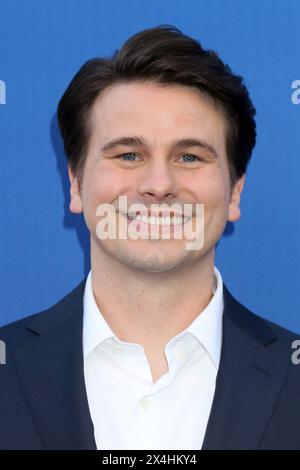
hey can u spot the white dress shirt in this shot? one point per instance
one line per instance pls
(128, 410)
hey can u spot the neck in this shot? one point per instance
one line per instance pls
(150, 308)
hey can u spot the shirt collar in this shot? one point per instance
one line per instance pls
(95, 327)
(206, 327)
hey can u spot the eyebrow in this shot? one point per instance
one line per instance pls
(136, 141)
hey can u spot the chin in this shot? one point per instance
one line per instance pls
(155, 263)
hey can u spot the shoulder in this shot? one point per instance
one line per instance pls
(17, 331)
(257, 326)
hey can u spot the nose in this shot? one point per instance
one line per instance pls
(158, 183)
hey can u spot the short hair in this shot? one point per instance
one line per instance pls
(161, 55)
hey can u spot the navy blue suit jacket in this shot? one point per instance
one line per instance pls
(43, 402)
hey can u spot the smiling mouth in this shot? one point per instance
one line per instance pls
(163, 221)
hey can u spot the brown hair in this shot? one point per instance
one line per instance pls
(163, 55)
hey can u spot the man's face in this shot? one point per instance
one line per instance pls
(158, 171)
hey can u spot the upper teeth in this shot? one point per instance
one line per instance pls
(177, 219)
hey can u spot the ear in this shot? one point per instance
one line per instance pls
(75, 194)
(234, 212)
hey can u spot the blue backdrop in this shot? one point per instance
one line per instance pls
(45, 248)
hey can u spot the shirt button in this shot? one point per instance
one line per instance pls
(145, 403)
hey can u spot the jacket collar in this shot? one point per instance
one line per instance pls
(50, 368)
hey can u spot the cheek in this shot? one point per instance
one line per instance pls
(96, 189)
(214, 194)
(211, 188)
(101, 185)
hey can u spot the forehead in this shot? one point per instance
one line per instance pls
(159, 113)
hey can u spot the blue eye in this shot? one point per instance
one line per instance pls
(191, 158)
(129, 154)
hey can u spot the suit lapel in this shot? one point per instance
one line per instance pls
(50, 369)
(248, 383)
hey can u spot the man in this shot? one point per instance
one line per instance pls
(151, 351)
